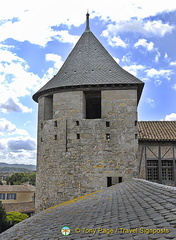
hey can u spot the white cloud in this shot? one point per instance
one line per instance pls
(13, 105)
(29, 21)
(157, 56)
(134, 69)
(65, 37)
(174, 87)
(171, 117)
(151, 102)
(158, 73)
(18, 150)
(166, 56)
(15, 81)
(116, 41)
(8, 128)
(57, 65)
(172, 63)
(149, 28)
(158, 82)
(143, 42)
(127, 58)
(117, 60)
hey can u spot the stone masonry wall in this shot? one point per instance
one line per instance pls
(76, 155)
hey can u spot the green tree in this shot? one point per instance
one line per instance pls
(2, 218)
(18, 178)
(32, 178)
(15, 217)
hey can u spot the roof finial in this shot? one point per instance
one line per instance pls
(87, 21)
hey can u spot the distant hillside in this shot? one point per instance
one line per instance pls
(14, 167)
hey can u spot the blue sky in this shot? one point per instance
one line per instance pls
(37, 36)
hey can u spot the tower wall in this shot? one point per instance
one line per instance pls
(76, 155)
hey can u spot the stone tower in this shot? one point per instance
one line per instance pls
(87, 125)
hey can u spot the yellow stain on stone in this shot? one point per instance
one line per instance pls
(73, 111)
(98, 166)
(101, 161)
(122, 104)
(74, 200)
(62, 184)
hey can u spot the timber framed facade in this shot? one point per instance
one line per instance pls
(157, 152)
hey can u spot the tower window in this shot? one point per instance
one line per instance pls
(107, 124)
(48, 107)
(55, 123)
(107, 136)
(78, 136)
(93, 104)
(55, 137)
(120, 179)
(109, 181)
(77, 123)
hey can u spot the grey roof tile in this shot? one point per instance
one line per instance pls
(133, 210)
(89, 63)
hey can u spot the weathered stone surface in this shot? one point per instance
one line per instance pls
(74, 155)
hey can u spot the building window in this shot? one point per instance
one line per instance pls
(152, 170)
(2, 196)
(78, 136)
(41, 125)
(11, 196)
(77, 123)
(55, 137)
(93, 104)
(167, 170)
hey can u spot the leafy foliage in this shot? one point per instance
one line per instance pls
(15, 217)
(2, 218)
(18, 178)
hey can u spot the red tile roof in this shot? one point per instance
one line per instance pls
(17, 188)
(157, 131)
(24, 207)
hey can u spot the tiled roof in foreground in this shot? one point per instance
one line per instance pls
(135, 205)
(157, 130)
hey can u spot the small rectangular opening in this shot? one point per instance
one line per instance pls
(55, 123)
(107, 124)
(120, 179)
(77, 123)
(107, 136)
(136, 123)
(41, 139)
(41, 125)
(48, 107)
(136, 136)
(55, 137)
(78, 136)
(93, 104)
(109, 181)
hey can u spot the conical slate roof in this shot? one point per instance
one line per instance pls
(89, 64)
